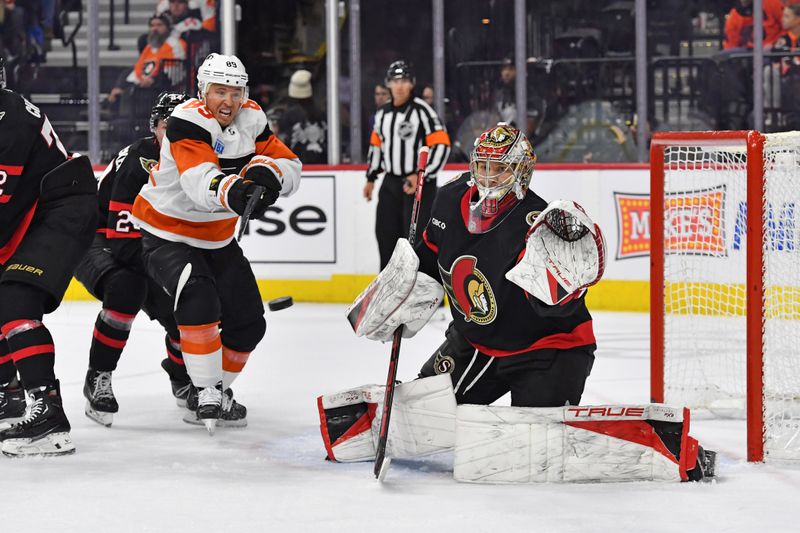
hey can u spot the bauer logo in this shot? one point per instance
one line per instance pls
(633, 225)
(298, 229)
(693, 222)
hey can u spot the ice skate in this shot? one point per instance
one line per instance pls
(179, 380)
(233, 413)
(204, 405)
(45, 429)
(100, 401)
(12, 404)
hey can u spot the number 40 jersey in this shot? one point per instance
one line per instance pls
(29, 149)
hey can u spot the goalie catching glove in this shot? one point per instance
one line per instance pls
(400, 295)
(564, 254)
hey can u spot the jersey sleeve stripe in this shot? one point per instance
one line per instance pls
(274, 148)
(189, 153)
(437, 137)
(265, 134)
(119, 206)
(374, 140)
(179, 129)
(428, 243)
(12, 170)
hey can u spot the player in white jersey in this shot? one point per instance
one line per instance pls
(217, 157)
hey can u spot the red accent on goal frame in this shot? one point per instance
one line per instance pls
(754, 143)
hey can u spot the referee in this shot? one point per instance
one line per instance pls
(402, 126)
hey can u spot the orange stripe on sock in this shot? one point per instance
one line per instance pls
(200, 340)
(233, 361)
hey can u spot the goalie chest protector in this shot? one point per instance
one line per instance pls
(493, 314)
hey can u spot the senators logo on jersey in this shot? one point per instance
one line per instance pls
(469, 290)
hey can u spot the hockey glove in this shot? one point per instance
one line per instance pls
(240, 192)
(263, 170)
(564, 254)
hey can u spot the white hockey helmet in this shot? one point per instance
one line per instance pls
(222, 69)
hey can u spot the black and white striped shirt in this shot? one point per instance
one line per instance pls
(399, 133)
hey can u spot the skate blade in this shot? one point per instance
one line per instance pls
(101, 417)
(51, 445)
(211, 425)
(191, 418)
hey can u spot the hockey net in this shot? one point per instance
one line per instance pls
(725, 301)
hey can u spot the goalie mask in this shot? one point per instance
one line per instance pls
(501, 165)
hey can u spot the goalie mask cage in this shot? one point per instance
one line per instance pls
(725, 280)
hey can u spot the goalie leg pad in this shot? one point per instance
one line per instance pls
(346, 423)
(574, 444)
(423, 420)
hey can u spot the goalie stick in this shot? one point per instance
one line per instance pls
(381, 461)
(248, 210)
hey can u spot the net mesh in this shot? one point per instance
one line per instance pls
(705, 268)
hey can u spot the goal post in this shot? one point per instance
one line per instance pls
(725, 280)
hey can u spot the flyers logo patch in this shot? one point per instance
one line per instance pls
(469, 290)
(147, 164)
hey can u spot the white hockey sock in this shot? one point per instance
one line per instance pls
(202, 353)
(232, 364)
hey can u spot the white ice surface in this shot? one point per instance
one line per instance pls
(152, 472)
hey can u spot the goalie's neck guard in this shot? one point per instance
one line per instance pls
(477, 218)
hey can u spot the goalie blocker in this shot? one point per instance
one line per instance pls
(498, 444)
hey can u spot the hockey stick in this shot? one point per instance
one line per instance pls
(381, 461)
(248, 210)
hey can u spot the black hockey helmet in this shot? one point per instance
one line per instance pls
(2, 73)
(165, 104)
(400, 70)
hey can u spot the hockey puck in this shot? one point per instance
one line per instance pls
(280, 303)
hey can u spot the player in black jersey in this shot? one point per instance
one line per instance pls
(47, 218)
(515, 272)
(112, 271)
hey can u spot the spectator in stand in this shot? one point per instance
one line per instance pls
(185, 16)
(739, 24)
(505, 99)
(13, 37)
(382, 97)
(184, 19)
(789, 41)
(427, 94)
(149, 71)
(302, 126)
(209, 10)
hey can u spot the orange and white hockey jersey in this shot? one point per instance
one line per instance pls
(178, 203)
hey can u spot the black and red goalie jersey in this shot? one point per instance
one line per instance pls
(29, 149)
(495, 315)
(119, 185)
